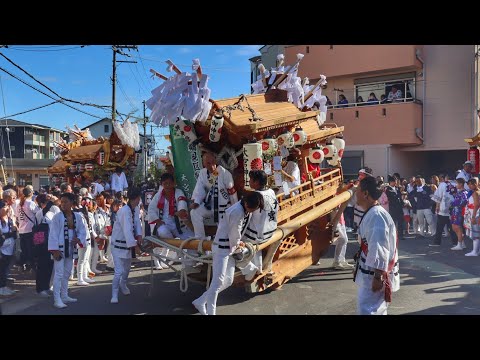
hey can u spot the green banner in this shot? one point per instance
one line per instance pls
(187, 162)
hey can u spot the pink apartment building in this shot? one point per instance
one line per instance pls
(422, 130)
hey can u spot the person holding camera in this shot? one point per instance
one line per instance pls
(227, 240)
(67, 230)
(8, 234)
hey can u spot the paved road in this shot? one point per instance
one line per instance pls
(433, 281)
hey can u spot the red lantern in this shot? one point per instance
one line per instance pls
(473, 155)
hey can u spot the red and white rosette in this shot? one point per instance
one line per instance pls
(269, 146)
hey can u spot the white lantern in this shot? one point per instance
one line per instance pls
(252, 160)
(89, 167)
(316, 155)
(73, 168)
(186, 130)
(286, 139)
(329, 151)
(339, 143)
(216, 128)
(299, 136)
(269, 146)
(81, 168)
(101, 158)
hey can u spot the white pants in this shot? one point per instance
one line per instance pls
(426, 214)
(222, 277)
(341, 244)
(83, 258)
(198, 215)
(415, 223)
(62, 269)
(110, 262)
(371, 303)
(94, 256)
(120, 276)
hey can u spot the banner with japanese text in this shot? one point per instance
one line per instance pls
(187, 162)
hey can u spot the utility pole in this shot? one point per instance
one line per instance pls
(114, 81)
(145, 150)
(118, 49)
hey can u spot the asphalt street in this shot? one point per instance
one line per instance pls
(434, 280)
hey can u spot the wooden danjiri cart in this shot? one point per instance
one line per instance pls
(83, 157)
(308, 215)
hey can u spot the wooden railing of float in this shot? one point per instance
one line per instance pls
(310, 194)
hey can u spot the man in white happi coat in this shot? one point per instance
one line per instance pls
(263, 222)
(119, 181)
(376, 273)
(67, 230)
(126, 235)
(166, 214)
(213, 194)
(227, 239)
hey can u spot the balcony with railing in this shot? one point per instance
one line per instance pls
(33, 155)
(34, 139)
(394, 117)
(348, 60)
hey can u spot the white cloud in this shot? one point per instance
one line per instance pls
(248, 50)
(184, 50)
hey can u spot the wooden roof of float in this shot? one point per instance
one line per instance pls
(272, 107)
(83, 153)
(316, 134)
(58, 167)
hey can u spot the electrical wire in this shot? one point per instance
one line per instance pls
(51, 97)
(45, 86)
(144, 69)
(33, 50)
(27, 111)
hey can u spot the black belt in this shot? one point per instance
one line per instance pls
(120, 247)
(223, 240)
(368, 272)
(223, 247)
(269, 232)
(121, 241)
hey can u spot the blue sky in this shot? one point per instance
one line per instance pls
(83, 74)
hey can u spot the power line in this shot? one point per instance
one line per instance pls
(203, 67)
(125, 95)
(144, 69)
(38, 50)
(27, 111)
(45, 86)
(51, 97)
